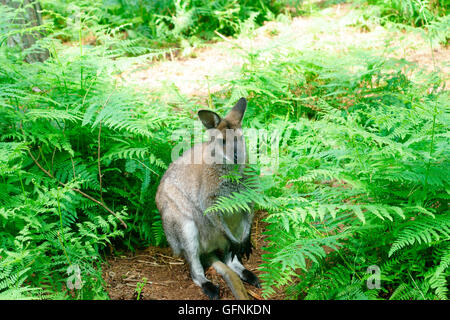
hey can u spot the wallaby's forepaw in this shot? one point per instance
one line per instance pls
(240, 250)
(211, 290)
(251, 278)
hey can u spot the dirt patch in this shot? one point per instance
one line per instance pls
(168, 277)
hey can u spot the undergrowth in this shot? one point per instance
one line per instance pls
(166, 23)
(361, 179)
(79, 159)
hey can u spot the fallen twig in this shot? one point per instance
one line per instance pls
(254, 295)
(151, 262)
(148, 282)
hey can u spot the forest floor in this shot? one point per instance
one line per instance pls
(168, 277)
(333, 29)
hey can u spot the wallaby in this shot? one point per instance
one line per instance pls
(190, 185)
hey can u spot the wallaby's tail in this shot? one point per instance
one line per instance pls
(232, 279)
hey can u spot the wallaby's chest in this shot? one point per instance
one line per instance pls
(216, 183)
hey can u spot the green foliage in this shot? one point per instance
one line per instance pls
(168, 21)
(64, 124)
(363, 174)
(361, 177)
(414, 12)
(140, 286)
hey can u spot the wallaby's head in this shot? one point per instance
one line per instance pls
(226, 144)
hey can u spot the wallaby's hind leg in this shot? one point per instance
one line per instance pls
(244, 274)
(190, 244)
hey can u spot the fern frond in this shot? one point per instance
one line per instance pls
(423, 230)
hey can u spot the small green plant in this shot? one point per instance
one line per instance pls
(139, 287)
(413, 12)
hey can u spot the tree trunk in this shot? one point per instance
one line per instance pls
(28, 15)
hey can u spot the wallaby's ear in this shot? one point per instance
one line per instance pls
(210, 119)
(237, 113)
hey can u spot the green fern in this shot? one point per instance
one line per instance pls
(424, 230)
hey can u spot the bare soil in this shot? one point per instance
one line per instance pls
(168, 277)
